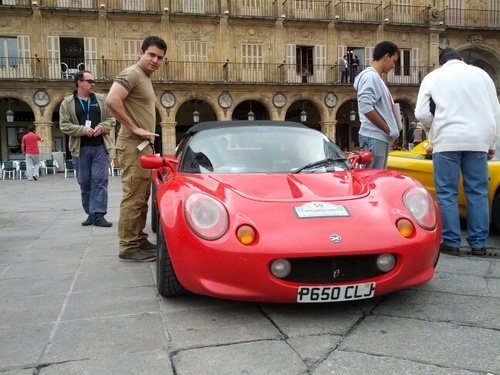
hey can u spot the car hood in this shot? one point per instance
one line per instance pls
(302, 186)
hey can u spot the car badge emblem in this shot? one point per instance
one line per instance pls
(335, 238)
(336, 273)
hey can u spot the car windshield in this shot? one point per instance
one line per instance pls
(261, 149)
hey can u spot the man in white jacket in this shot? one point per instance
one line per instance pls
(464, 130)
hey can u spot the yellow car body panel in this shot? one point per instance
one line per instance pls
(414, 164)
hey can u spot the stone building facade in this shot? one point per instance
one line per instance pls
(226, 58)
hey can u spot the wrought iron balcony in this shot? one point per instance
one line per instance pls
(134, 6)
(15, 4)
(253, 9)
(308, 9)
(354, 12)
(24, 69)
(69, 4)
(398, 14)
(195, 7)
(472, 19)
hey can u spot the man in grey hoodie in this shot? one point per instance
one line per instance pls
(379, 127)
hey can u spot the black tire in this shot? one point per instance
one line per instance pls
(166, 282)
(495, 214)
(154, 209)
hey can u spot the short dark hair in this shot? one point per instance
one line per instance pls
(449, 54)
(154, 41)
(79, 76)
(384, 48)
(31, 128)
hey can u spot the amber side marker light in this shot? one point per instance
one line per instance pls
(405, 227)
(245, 234)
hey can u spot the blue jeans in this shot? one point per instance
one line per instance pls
(379, 150)
(474, 168)
(92, 171)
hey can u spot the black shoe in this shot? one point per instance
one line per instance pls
(479, 252)
(100, 221)
(88, 222)
(35, 178)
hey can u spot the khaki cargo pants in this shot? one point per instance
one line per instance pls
(136, 185)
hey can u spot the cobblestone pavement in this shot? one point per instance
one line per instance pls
(68, 306)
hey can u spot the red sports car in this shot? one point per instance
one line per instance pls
(274, 211)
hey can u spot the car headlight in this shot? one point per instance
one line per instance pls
(205, 216)
(420, 204)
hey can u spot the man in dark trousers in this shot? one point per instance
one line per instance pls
(87, 120)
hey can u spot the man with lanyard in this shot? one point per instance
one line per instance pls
(87, 120)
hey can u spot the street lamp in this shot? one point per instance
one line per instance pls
(9, 115)
(251, 115)
(352, 114)
(196, 114)
(303, 114)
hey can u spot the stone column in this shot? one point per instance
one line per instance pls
(168, 137)
(329, 128)
(44, 130)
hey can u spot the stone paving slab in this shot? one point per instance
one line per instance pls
(68, 306)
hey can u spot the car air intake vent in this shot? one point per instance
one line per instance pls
(333, 269)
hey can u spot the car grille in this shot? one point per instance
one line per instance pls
(333, 269)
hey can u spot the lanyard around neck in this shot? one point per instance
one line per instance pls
(87, 112)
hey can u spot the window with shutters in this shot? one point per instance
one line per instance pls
(252, 62)
(494, 13)
(251, 7)
(402, 11)
(455, 13)
(407, 68)
(9, 55)
(138, 5)
(15, 56)
(131, 50)
(196, 61)
(193, 6)
(74, 3)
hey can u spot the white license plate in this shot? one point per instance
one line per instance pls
(313, 294)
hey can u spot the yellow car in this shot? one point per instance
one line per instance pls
(415, 164)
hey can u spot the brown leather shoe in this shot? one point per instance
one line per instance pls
(450, 250)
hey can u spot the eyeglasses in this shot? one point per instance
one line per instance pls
(91, 81)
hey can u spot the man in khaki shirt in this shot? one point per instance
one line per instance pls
(132, 101)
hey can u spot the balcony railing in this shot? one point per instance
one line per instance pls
(358, 12)
(15, 3)
(406, 14)
(253, 9)
(134, 5)
(472, 18)
(193, 72)
(308, 9)
(195, 7)
(69, 4)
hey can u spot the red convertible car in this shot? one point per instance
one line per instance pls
(273, 211)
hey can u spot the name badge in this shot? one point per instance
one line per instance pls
(88, 124)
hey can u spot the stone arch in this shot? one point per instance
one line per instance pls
(490, 53)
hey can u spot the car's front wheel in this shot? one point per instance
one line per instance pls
(166, 281)
(154, 209)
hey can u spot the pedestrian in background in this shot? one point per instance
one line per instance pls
(132, 101)
(29, 148)
(344, 69)
(409, 135)
(419, 134)
(87, 120)
(464, 130)
(379, 126)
